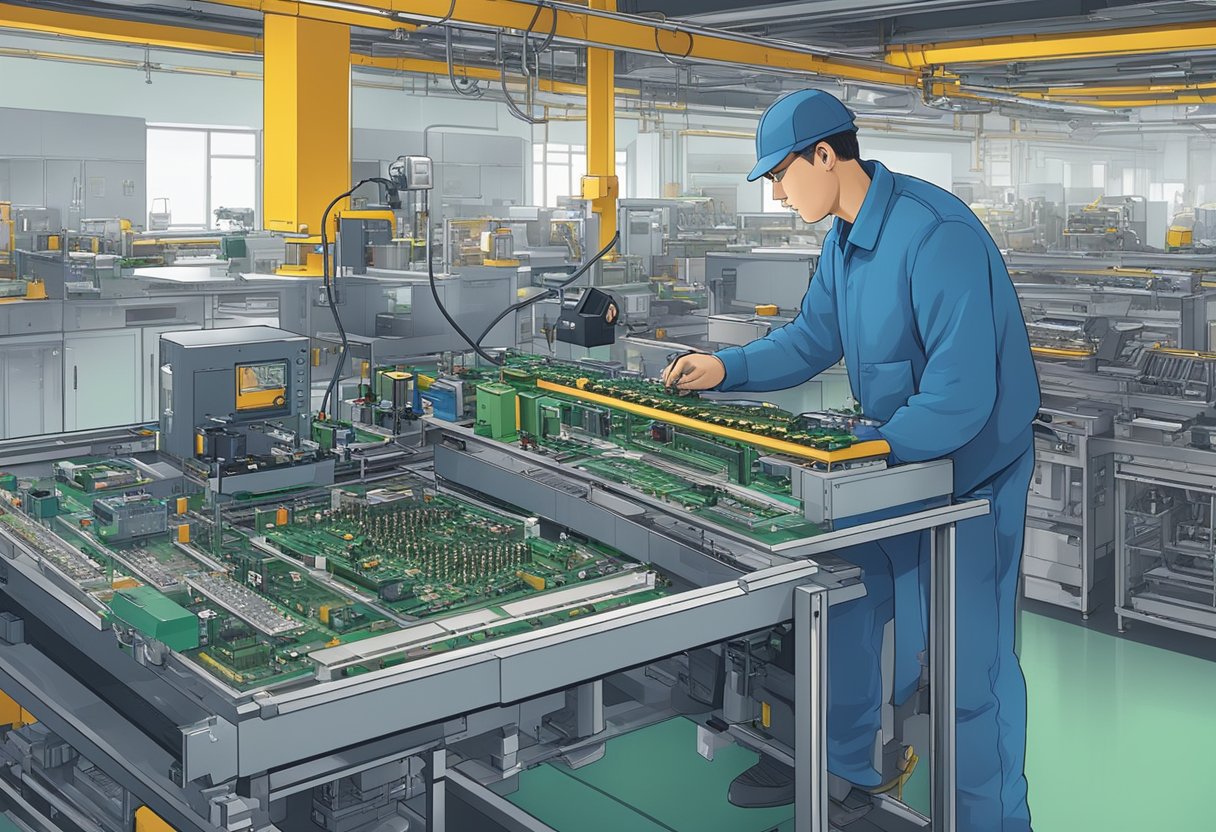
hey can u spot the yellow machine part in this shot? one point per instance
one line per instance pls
(148, 821)
(862, 450)
(13, 714)
(1205, 356)
(1179, 237)
(766, 714)
(1057, 352)
(767, 309)
(183, 533)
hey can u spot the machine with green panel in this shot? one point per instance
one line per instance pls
(157, 616)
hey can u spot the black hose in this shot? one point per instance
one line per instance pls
(548, 293)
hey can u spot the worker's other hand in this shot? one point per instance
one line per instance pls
(867, 433)
(694, 371)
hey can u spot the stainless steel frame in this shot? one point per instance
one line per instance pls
(275, 743)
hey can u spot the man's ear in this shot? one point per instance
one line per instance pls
(825, 155)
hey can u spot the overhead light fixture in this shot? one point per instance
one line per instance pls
(348, 7)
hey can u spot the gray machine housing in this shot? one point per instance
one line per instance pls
(198, 379)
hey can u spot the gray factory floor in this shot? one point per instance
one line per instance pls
(1084, 771)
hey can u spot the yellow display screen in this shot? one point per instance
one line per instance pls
(261, 386)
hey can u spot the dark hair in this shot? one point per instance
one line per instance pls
(844, 144)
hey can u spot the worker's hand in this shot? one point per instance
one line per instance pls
(694, 371)
(867, 433)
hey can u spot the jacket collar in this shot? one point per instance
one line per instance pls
(864, 232)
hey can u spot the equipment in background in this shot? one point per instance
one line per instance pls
(111, 235)
(388, 400)
(588, 320)
(36, 229)
(498, 248)
(1120, 348)
(1192, 229)
(233, 219)
(236, 401)
(390, 235)
(1109, 223)
(160, 216)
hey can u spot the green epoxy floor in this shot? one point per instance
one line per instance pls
(1122, 738)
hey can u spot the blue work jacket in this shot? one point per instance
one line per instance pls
(916, 298)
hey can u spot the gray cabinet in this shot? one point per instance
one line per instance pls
(102, 377)
(31, 386)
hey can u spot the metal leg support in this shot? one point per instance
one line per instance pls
(811, 715)
(943, 677)
(436, 773)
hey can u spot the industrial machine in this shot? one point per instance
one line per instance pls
(233, 219)
(750, 293)
(1120, 346)
(589, 554)
(235, 408)
(1108, 223)
(1028, 224)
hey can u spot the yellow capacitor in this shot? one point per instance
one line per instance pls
(534, 581)
(183, 505)
(280, 516)
(183, 533)
(766, 714)
(323, 614)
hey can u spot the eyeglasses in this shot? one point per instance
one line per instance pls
(777, 175)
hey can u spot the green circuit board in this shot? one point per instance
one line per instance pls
(400, 552)
(820, 433)
(683, 466)
(425, 554)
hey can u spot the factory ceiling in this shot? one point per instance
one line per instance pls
(1165, 55)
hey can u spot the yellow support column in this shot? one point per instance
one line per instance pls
(306, 105)
(600, 184)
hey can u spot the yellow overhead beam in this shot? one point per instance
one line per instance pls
(1056, 45)
(575, 26)
(114, 30)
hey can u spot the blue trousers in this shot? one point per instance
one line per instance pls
(991, 691)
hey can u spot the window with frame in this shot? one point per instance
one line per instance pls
(558, 170)
(200, 170)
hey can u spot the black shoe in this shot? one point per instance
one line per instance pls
(852, 807)
(766, 784)
(770, 783)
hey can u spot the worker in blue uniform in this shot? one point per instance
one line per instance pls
(913, 294)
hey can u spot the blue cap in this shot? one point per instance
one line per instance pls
(794, 122)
